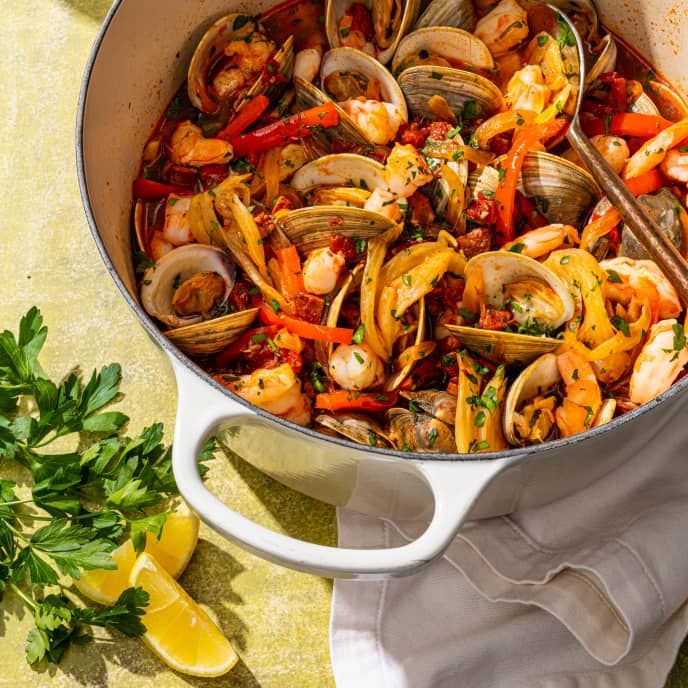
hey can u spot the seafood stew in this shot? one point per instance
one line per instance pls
(363, 217)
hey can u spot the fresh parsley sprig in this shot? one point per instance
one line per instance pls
(82, 502)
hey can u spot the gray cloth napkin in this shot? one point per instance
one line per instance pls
(586, 592)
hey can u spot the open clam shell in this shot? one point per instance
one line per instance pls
(211, 336)
(438, 404)
(448, 191)
(644, 105)
(340, 169)
(456, 86)
(311, 228)
(388, 31)
(356, 427)
(605, 62)
(160, 282)
(561, 190)
(502, 273)
(457, 46)
(232, 27)
(459, 14)
(419, 432)
(504, 347)
(537, 379)
(353, 61)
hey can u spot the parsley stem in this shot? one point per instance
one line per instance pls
(23, 596)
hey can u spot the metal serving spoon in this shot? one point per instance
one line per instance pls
(644, 228)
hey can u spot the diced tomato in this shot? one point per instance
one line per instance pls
(494, 319)
(180, 175)
(413, 133)
(438, 130)
(482, 211)
(308, 307)
(344, 246)
(361, 20)
(422, 213)
(476, 241)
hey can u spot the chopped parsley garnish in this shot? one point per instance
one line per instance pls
(275, 305)
(480, 419)
(621, 325)
(407, 280)
(359, 358)
(543, 39)
(613, 276)
(359, 334)
(517, 248)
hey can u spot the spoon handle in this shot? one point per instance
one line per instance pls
(644, 228)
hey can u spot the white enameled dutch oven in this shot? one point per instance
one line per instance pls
(138, 61)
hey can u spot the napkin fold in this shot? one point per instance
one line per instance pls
(586, 592)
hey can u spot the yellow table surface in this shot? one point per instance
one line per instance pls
(276, 618)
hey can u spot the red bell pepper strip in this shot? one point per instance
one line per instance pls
(237, 348)
(297, 126)
(248, 114)
(505, 195)
(321, 333)
(149, 190)
(617, 94)
(355, 401)
(626, 124)
(645, 183)
(290, 268)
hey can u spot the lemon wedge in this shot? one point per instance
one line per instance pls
(172, 551)
(178, 631)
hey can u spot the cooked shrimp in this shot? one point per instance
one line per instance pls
(300, 413)
(583, 395)
(246, 61)
(321, 271)
(379, 121)
(614, 150)
(406, 170)
(636, 274)
(356, 367)
(660, 362)
(504, 27)
(675, 166)
(158, 246)
(527, 90)
(176, 229)
(276, 390)
(307, 63)
(654, 151)
(188, 146)
(543, 240)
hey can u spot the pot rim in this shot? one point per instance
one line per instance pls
(173, 352)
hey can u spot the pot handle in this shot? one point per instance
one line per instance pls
(455, 487)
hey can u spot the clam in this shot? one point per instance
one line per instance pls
(528, 418)
(606, 61)
(345, 74)
(212, 78)
(459, 14)
(356, 427)
(561, 190)
(419, 432)
(211, 336)
(667, 212)
(535, 295)
(438, 404)
(185, 288)
(429, 61)
(311, 228)
(391, 20)
(342, 169)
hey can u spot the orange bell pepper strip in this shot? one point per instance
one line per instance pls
(307, 330)
(290, 268)
(291, 128)
(645, 183)
(248, 114)
(355, 401)
(505, 196)
(626, 124)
